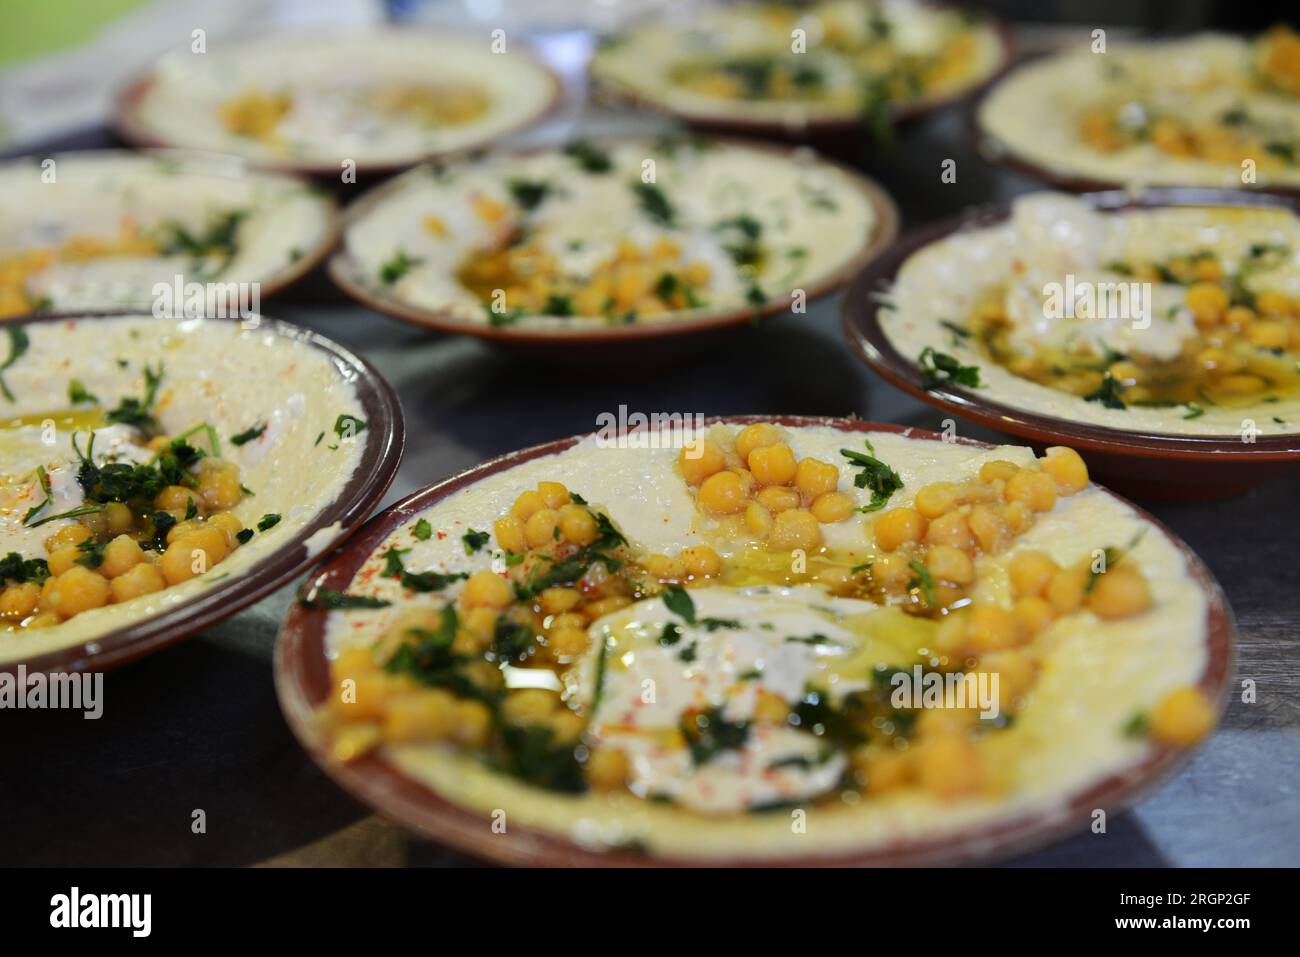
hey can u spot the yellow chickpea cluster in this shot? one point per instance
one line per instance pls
(757, 488)
(1104, 130)
(640, 282)
(1279, 59)
(255, 114)
(16, 269)
(543, 526)
(126, 570)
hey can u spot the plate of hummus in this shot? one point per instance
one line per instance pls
(756, 641)
(117, 229)
(791, 68)
(158, 475)
(611, 240)
(369, 102)
(1206, 110)
(1144, 330)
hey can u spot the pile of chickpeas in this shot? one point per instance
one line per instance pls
(630, 283)
(544, 526)
(128, 571)
(756, 488)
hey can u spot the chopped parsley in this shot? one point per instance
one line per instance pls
(79, 394)
(528, 193)
(939, 368)
(348, 426)
(137, 412)
(15, 568)
(327, 599)
(423, 530)
(588, 157)
(881, 480)
(397, 267)
(1108, 393)
(248, 435)
(708, 734)
(654, 203)
(267, 521)
(474, 541)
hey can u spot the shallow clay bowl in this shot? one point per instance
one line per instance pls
(384, 437)
(647, 343)
(1157, 465)
(302, 683)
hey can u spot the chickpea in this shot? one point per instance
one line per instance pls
(754, 437)
(527, 503)
(885, 769)
(178, 563)
(773, 464)
(793, 529)
(181, 529)
(936, 499)
(1207, 302)
(472, 724)
(229, 523)
(1066, 589)
(1018, 517)
(604, 606)
(1182, 717)
(44, 619)
(1031, 571)
(177, 498)
(211, 541)
(992, 628)
(1035, 489)
(1272, 304)
(987, 526)
(142, 579)
(998, 469)
(120, 556)
(20, 600)
(541, 526)
(951, 529)
(700, 561)
(369, 699)
(948, 766)
(607, 769)
(427, 714)
(79, 589)
(529, 705)
(831, 507)
(757, 519)
(509, 532)
(568, 643)
(770, 708)
(891, 571)
(73, 534)
(1034, 612)
(1269, 334)
(569, 619)
(699, 460)
(63, 558)
(664, 568)
(898, 526)
(117, 518)
(554, 601)
(1015, 671)
(220, 488)
(778, 498)
(577, 525)
(1119, 592)
(1066, 468)
(722, 494)
(554, 494)
(814, 478)
(950, 564)
(485, 589)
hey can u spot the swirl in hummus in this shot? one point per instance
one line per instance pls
(1201, 111)
(652, 647)
(143, 460)
(377, 98)
(101, 230)
(794, 64)
(617, 233)
(1181, 320)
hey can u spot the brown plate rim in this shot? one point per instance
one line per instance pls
(997, 152)
(385, 440)
(883, 234)
(617, 93)
(127, 124)
(274, 283)
(861, 327)
(302, 681)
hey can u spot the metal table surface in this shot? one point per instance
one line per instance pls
(197, 726)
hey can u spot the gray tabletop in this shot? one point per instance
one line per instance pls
(197, 727)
